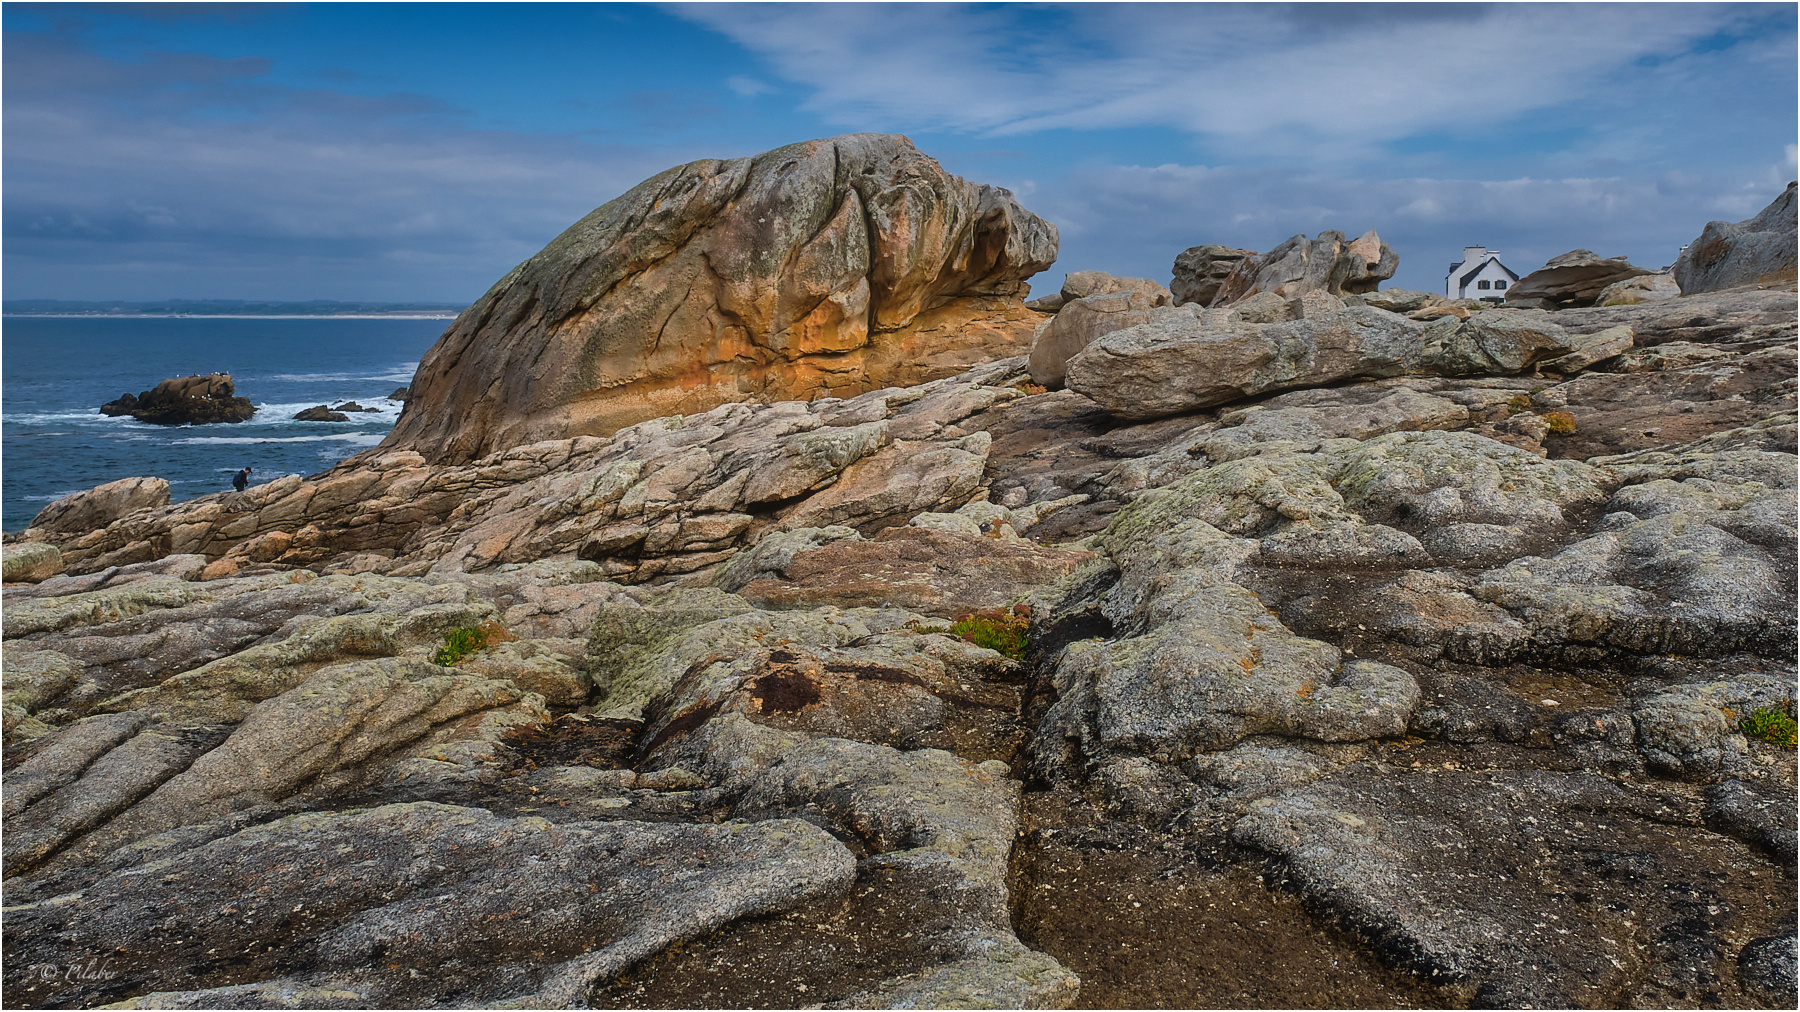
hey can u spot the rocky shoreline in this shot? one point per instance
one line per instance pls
(1356, 648)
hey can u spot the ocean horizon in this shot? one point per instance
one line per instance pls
(58, 369)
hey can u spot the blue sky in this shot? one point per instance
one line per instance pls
(406, 152)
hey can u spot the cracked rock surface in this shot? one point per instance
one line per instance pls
(1412, 667)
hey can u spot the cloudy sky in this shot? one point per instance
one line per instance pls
(399, 152)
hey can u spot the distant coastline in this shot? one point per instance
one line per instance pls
(228, 316)
(230, 309)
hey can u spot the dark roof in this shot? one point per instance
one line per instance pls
(1473, 270)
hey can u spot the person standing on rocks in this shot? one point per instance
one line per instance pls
(241, 480)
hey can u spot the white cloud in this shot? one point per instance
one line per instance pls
(1267, 79)
(749, 87)
(316, 193)
(1133, 220)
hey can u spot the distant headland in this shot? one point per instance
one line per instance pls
(229, 308)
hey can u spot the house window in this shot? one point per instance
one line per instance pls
(1483, 285)
(1499, 284)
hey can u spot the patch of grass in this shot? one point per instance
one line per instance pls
(1561, 423)
(1030, 389)
(1518, 404)
(1005, 632)
(1770, 724)
(465, 640)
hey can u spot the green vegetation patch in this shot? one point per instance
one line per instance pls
(1007, 633)
(1561, 423)
(1770, 724)
(465, 640)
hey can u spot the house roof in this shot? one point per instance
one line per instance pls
(1464, 277)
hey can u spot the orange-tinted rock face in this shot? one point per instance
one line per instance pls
(829, 267)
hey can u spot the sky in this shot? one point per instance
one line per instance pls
(416, 152)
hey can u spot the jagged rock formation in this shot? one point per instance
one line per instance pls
(1200, 271)
(829, 267)
(1575, 279)
(185, 400)
(1329, 264)
(1759, 251)
(1421, 678)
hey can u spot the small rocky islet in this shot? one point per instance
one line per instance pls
(1358, 647)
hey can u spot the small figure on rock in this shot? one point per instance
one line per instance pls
(241, 480)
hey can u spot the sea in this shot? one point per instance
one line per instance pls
(55, 372)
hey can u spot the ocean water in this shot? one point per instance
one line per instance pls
(55, 372)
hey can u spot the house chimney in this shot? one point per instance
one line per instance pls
(1474, 253)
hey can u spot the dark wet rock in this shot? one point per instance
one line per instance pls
(1525, 902)
(375, 904)
(1767, 969)
(185, 400)
(320, 413)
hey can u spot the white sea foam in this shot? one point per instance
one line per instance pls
(399, 373)
(51, 417)
(386, 412)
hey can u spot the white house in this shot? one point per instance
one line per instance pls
(1479, 275)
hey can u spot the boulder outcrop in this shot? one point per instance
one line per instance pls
(1329, 263)
(826, 268)
(1200, 271)
(1572, 280)
(320, 413)
(1077, 324)
(185, 400)
(1639, 290)
(1184, 358)
(1082, 284)
(1758, 251)
(97, 507)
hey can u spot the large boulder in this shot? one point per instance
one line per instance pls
(1572, 280)
(1085, 284)
(31, 562)
(97, 507)
(1330, 264)
(1201, 270)
(829, 267)
(1639, 290)
(185, 400)
(1078, 323)
(1184, 359)
(1758, 251)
